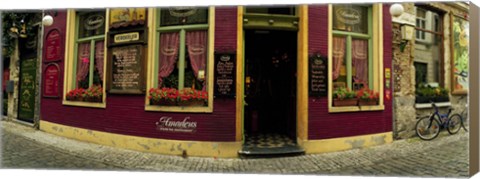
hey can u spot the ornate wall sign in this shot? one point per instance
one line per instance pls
(168, 124)
(53, 46)
(123, 17)
(182, 11)
(93, 22)
(50, 80)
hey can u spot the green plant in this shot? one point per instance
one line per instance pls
(343, 93)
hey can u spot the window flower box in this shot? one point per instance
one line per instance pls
(345, 102)
(367, 97)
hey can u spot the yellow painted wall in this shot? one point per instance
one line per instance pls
(143, 144)
(346, 143)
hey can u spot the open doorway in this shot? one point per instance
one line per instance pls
(270, 88)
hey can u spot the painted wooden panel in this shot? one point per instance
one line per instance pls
(125, 114)
(324, 125)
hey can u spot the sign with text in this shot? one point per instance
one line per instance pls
(127, 69)
(169, 124)
(126, 37)
(53, 46)
(225, 75)
(28, 76)
(318, 76)
(50, 80)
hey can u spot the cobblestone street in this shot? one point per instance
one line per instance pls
(447, 156)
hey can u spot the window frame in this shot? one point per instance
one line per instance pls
(71, 45)
(152, 70)
(375, 58)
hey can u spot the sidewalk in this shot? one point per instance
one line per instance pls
(445, 156)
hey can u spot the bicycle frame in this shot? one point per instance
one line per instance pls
(442, 117)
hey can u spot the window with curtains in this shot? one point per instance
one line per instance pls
(356, 80)
(181, 62)
(352, 43)
(86, 64)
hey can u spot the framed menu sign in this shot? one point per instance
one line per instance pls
(317, 75)
(224, 75)
(50, 80)
(53, 46)
(126, 75)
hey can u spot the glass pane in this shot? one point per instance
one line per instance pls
(350, 18)
(359, 63)
(429, 54)
(183, 16)
(272, 10)
(420, 73)
(98, 69)
(83, 65)
(195, 60)
(168, 57)
(339, 70)
(91, 23)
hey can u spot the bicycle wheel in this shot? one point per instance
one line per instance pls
(427, 128)
(454, 123)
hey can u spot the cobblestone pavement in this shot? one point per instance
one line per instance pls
(447, 156)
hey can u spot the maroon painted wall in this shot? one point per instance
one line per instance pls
(325, 125)
(125, 114)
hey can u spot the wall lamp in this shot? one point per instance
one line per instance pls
(48, 19)
(407, 31)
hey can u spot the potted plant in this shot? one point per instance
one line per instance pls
(422, 95)
(367, 97)
(344, 97)
(93, 94)
(163, 96)
(75, 94)
(192, 97)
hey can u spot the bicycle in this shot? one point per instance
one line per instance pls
(428, 127)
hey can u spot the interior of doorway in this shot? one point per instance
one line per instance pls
(270, 84)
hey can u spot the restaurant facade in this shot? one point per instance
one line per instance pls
(220, 81)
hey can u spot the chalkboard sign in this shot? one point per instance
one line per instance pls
(318, 75)
(127, 70)
(225, 75)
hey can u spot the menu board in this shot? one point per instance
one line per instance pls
(317, 76)
(50, 80)
(127, 68)
(28, 76)
(52, 46)
(225, 75)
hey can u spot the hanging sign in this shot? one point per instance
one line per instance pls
(51, 80)
(317, 76)
(53, 46)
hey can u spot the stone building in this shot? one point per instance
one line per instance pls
(431, 58)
